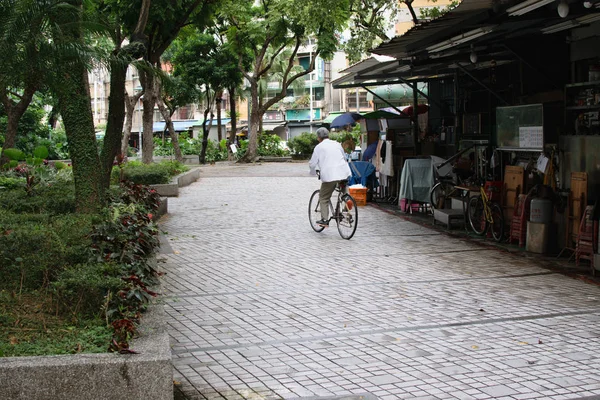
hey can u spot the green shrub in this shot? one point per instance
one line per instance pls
(303, 145)
(148, 174)
(270, 145)
(35, 248)
(216, 151)
(8, 182)
(56, 197)
(83, 289)
(187, 146)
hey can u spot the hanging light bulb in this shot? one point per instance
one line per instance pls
(588, 4)
(473, 55)
(563, 9)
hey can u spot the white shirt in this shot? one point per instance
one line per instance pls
(329, 158)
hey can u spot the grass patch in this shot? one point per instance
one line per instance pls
(29, 326)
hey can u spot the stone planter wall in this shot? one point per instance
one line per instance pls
(172, 189)
(146, 375)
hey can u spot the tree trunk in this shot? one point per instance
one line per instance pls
(169, 122)
(147, 145)
(260, 121)
(73, 93)
(114, 126)
(205, 132)
(76, 110)
(130, 102)
(53, 117)
(11, 132)
(218, 101)
(233, 114)
(255, 116)
(14, 112)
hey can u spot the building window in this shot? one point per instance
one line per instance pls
(319, 93)
(362, 100)
(304, 62)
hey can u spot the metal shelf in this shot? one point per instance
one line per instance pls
(583, 84)
(593, 107)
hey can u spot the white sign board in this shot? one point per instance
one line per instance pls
(531, 137)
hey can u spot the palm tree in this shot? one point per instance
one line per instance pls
(26, 51)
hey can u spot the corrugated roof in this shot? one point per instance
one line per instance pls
(466, 14)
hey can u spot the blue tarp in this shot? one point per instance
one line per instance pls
(363, 173)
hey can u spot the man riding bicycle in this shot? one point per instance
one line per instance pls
(328, 159)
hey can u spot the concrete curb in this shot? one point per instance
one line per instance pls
(146, 375)
(181, 180)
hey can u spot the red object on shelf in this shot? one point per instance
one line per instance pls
(587, 238)
(518, 223)
(493, 189)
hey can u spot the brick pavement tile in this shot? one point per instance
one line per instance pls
(286, 308)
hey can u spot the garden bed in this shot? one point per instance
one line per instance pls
(147, 374)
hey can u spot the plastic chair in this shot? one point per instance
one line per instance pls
(587, 239)
(518, 223)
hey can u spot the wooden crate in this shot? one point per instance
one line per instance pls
(359, 195)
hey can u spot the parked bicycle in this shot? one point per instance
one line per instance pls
(485, 214)
(345, 212)
(447, 178)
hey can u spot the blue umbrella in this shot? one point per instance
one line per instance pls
(344, 119)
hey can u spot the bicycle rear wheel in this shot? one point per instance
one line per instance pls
(439, 193)
(497, 222)
(346, 216)
(476, 215)
(314, 211)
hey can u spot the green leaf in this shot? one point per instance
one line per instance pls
(41, 152)
(14, 154)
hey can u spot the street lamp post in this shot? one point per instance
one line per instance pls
(310, 81)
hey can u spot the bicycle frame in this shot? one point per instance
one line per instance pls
(486, 204)
(344, 211)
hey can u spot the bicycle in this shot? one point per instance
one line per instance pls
(483, 214)
(345, 213)
(446, 182)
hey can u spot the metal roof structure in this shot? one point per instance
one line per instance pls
(441, 47)
(467, 14)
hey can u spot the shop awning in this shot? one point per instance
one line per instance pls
(394, 93)
(183, 126)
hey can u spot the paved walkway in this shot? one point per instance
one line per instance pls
(262, 307)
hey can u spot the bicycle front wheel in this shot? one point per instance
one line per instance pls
(346, 216)
(314, 211)
(476, 215)
(439, 193)
(497, 222)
